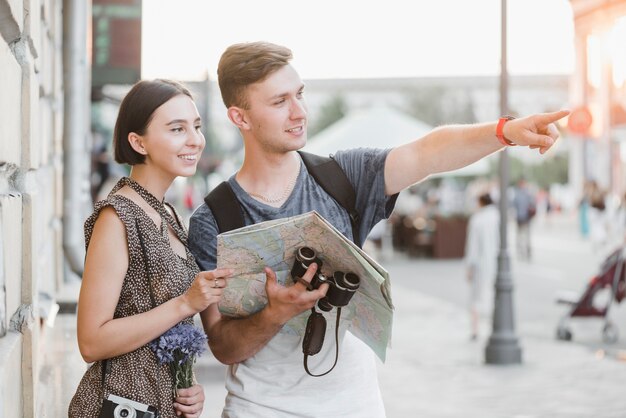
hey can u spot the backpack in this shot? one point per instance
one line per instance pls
(325, 171)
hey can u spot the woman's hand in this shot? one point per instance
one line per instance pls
(190, 402)
(206, 289)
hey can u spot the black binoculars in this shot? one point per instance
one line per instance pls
(341, 285)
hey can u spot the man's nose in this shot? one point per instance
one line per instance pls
(298, 109)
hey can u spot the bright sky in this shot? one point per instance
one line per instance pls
(184, 39)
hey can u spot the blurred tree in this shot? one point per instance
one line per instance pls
(550, 171)
(330, 112)
(438, 105)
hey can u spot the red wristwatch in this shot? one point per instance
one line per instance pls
(499, 131)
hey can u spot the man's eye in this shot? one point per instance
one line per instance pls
(278, 102)
(300, 94)
(199, 127)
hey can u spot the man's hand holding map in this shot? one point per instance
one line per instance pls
(250, 249)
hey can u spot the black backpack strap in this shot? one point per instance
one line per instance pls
(326, 172)
(225, 207)
(331, 177)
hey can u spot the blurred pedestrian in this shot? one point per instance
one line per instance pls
(525, 209)
(100, 170)
(598, 219)
(620, 220)
(140, 278)
(583, 207)
(481, 256)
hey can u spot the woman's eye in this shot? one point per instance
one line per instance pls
(177, 129)
(279, 102)
(199, 127)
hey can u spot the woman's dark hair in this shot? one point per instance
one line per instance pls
(136, 113)
(485, 199)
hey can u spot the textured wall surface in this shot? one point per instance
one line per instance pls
(30, 191)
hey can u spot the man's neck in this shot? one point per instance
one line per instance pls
(268, 174)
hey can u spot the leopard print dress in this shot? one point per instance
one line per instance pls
(151, 280)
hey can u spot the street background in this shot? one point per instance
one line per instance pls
(433, 368)
(67, 64)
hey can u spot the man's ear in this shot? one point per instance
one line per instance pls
(136, 142)
(238, 117)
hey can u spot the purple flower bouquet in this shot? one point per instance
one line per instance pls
(179, 347)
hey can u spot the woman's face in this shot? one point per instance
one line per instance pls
(173, 140)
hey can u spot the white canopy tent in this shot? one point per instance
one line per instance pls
(378, 127)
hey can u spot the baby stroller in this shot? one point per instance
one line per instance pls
(612, 276)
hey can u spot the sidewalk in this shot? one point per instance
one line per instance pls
(434, 370)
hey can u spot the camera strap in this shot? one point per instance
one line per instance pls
(314, 339)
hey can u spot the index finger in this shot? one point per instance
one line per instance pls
(551, 117)
(188, 393)
(222, 273)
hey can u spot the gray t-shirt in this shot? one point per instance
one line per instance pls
(273, 383)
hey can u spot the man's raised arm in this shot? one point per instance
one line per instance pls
(455, 146)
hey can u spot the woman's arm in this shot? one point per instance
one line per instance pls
(99, 335)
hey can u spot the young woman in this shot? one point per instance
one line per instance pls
(140, 278)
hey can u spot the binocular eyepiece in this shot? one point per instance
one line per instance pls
(341, 285)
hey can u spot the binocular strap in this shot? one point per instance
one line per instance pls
(306, 355)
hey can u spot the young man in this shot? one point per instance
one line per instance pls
(264, 97)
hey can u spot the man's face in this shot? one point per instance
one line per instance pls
(277, 113)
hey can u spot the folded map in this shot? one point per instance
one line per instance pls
(250, 249)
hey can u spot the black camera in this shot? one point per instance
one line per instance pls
(118, 407)
(342, 286)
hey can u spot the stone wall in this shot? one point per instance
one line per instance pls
(31, 118)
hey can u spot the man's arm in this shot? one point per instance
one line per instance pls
(235, 340)
(452, 147)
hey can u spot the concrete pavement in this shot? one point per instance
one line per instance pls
(434, 370)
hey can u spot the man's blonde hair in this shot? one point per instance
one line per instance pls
(248, 63)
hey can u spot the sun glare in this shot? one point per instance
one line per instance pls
(184, 39)
(617, 51)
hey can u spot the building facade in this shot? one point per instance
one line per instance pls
(31, 196)
(599, 88)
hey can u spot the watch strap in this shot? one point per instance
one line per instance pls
(500, 131)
